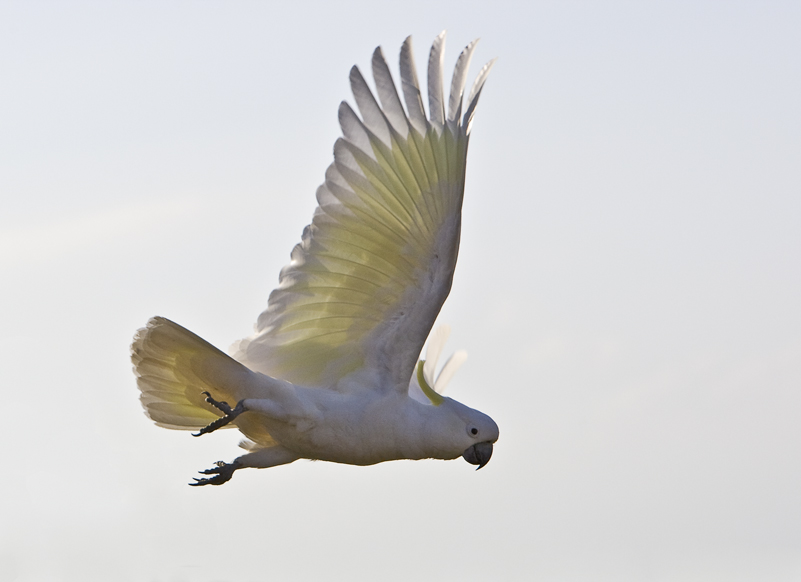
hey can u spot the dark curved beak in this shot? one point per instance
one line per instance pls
(479, 454)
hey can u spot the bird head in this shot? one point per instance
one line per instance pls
(466, 430)
(462, 428)
(479, 430)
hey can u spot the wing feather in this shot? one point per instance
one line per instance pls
(368, 107)
(475, 93)
(411, 89)
(352, 128)
(388, 95)
(374, 267)
(436, 60)
(458, 82)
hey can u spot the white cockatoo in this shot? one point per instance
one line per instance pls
(331, 372)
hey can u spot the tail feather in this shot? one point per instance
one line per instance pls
(174, 367)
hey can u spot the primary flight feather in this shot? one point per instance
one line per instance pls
(331, 371)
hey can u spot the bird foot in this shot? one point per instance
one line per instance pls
(222, 472)
(230, 414)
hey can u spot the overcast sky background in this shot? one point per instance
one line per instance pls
(629, 289)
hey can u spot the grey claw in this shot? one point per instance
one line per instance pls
(222, 473)
(229, 415)
(218, 404)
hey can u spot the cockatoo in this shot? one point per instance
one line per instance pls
(331, 372)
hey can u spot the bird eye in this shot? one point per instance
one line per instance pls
(473, 431)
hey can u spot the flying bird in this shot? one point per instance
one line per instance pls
(332, 370)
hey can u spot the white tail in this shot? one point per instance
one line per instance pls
(174, 367)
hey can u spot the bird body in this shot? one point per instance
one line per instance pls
(332, 372)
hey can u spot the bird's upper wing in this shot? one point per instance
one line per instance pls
(374, 267)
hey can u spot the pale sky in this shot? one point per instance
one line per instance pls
(628, 289)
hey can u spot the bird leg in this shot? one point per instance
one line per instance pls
(222, 472)
(260, 459)
(230, 414)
